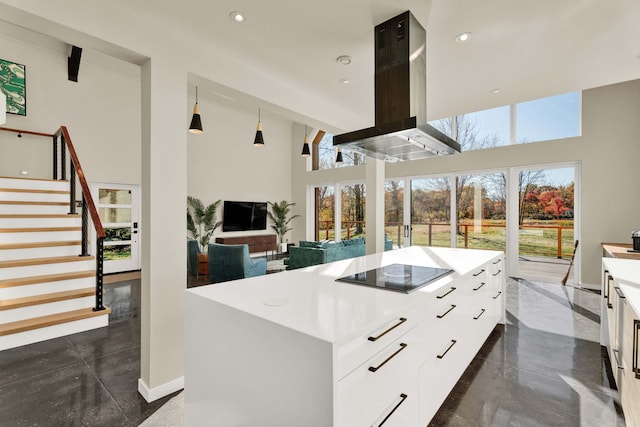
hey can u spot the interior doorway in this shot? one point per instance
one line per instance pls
(118, 206)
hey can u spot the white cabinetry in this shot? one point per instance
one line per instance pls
(621, 300)
(338, 354)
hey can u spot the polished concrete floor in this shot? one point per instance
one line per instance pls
(544, 368)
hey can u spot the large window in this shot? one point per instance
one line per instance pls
(327, 154)
(394, 212)
(431, 212)
(353, 211)
(325, 213)
(544, 119)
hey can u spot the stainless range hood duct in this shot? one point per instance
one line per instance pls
(401, 131)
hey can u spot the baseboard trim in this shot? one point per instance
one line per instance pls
(152, 394)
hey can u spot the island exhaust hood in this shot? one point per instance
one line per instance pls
(401, 131)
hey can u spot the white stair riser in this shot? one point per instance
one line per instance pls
(34, 184)
(29, 253)
(50, 332)
(23, 313)
(34, 209)
(39, 236)
(33, 197)
(46, 288)
(43, 269)
(70, 221)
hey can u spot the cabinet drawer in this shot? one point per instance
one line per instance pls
(383, 387)
(440, 373)
(349, 356)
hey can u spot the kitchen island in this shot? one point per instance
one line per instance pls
(299, 348)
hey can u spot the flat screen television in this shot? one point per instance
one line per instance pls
(244, 216)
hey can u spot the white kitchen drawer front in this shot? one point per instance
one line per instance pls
(440, 373)
(351, 355)
(373, 392)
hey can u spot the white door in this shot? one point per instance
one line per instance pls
(118, 206)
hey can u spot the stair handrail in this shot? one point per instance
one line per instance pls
(88, 205)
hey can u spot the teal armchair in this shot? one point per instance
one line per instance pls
(193, 250)
(231, 262)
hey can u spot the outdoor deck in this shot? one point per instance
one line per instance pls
(549, 270)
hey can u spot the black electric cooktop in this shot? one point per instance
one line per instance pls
(397, 277)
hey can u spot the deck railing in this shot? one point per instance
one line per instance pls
(466, 234)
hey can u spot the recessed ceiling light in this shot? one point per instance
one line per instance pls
(463, 37)
(343, 60)
(345, 81)
(236, 16)
(496, 90)
(24, 172)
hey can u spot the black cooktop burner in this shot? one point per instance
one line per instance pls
(397, 277)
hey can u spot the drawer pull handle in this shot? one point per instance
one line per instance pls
(478, 288)
(446, 293)
(619, 292)
(375, 368)
(497, 262)
(636, 332)
(453, 342)
(609, 279)
(479, 273)
(481, 313)
(400, 322)
(497, 272)
(498, 295)
(440, 316)
(403, 397)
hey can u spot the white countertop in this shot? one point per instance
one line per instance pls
(627, 273)
(310, 301)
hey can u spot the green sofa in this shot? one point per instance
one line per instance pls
(309, 253)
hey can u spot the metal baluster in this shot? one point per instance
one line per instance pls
(85, 227)
(99, 273)
(72, 190)
(55, 156)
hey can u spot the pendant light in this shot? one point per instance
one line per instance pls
(339, 160)
(3, 108)
(306, 152)
(259, 140)
(196, 122)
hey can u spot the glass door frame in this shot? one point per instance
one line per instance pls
(513, 229)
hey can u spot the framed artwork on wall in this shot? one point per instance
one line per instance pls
(13, 84)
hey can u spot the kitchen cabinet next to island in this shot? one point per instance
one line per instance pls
(299, 348)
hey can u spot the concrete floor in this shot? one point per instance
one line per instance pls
(544, 368)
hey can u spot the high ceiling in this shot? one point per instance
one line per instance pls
(526, 49)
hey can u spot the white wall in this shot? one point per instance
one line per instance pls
(608, 150)
(101, 111)
(223, 164)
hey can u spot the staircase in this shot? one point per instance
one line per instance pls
(47, 289)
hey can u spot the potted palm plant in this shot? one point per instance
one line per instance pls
(202, 220)
(279, 214)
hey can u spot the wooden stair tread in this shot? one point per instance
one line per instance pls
(25, 202)
(38, 229)
(46, 298)
(47, 260)
(32, 190)
(45, 216)
(30, 245)
(51, 320)
(20, 281)
(34, 179)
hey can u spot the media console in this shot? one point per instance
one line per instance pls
(257, 243)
